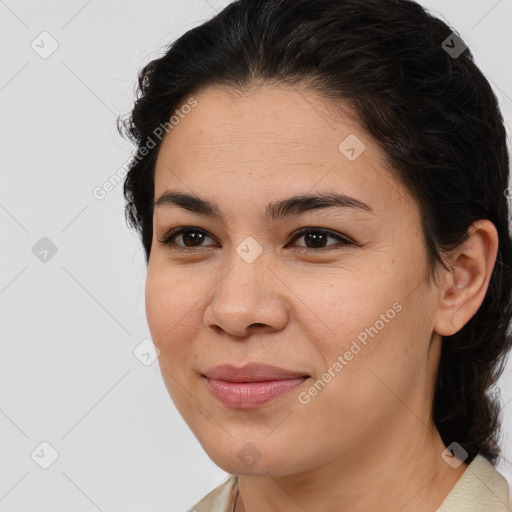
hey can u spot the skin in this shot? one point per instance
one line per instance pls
(366, 441)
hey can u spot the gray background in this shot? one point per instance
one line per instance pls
(70, 324)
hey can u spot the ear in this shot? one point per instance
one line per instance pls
(465, 284)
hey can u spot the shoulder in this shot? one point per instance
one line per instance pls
(481, 488)
(221, 499)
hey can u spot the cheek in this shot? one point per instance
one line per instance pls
(172, 312)
(173, 320)
(381, 352)
(369, 336)
(349, 309)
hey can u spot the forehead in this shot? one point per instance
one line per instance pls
(271, 140)
(279, 118)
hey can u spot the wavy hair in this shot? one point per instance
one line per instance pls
(431, 111)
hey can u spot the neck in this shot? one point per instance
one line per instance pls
(407, 474)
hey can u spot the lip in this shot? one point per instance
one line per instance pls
(251, 372)
(251, 385)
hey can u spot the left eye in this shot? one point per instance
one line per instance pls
(196, 236)
(318, 236)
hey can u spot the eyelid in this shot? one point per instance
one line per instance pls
(164, 239)
(342, 239)
(334, 234)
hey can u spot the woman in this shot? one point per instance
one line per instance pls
(325, 221)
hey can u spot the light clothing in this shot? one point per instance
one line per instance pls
(481, 488)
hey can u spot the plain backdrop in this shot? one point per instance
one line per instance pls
(72, 330)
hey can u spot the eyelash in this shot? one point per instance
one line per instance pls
(167, 237)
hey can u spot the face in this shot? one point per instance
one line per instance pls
(344, 304)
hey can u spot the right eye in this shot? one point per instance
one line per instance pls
(193, 234)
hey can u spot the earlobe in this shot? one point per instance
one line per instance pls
(466, 283)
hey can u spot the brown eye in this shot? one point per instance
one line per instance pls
(315, 239)
(190, 236)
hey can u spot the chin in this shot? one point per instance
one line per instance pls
(242, 457)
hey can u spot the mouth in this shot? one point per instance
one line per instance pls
(252, 385)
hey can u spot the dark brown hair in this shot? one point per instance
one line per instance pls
(432, 112)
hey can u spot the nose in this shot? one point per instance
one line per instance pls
(249, 297)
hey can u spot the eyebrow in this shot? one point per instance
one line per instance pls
(277, 210)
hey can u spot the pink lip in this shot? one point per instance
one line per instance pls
(252, 385)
